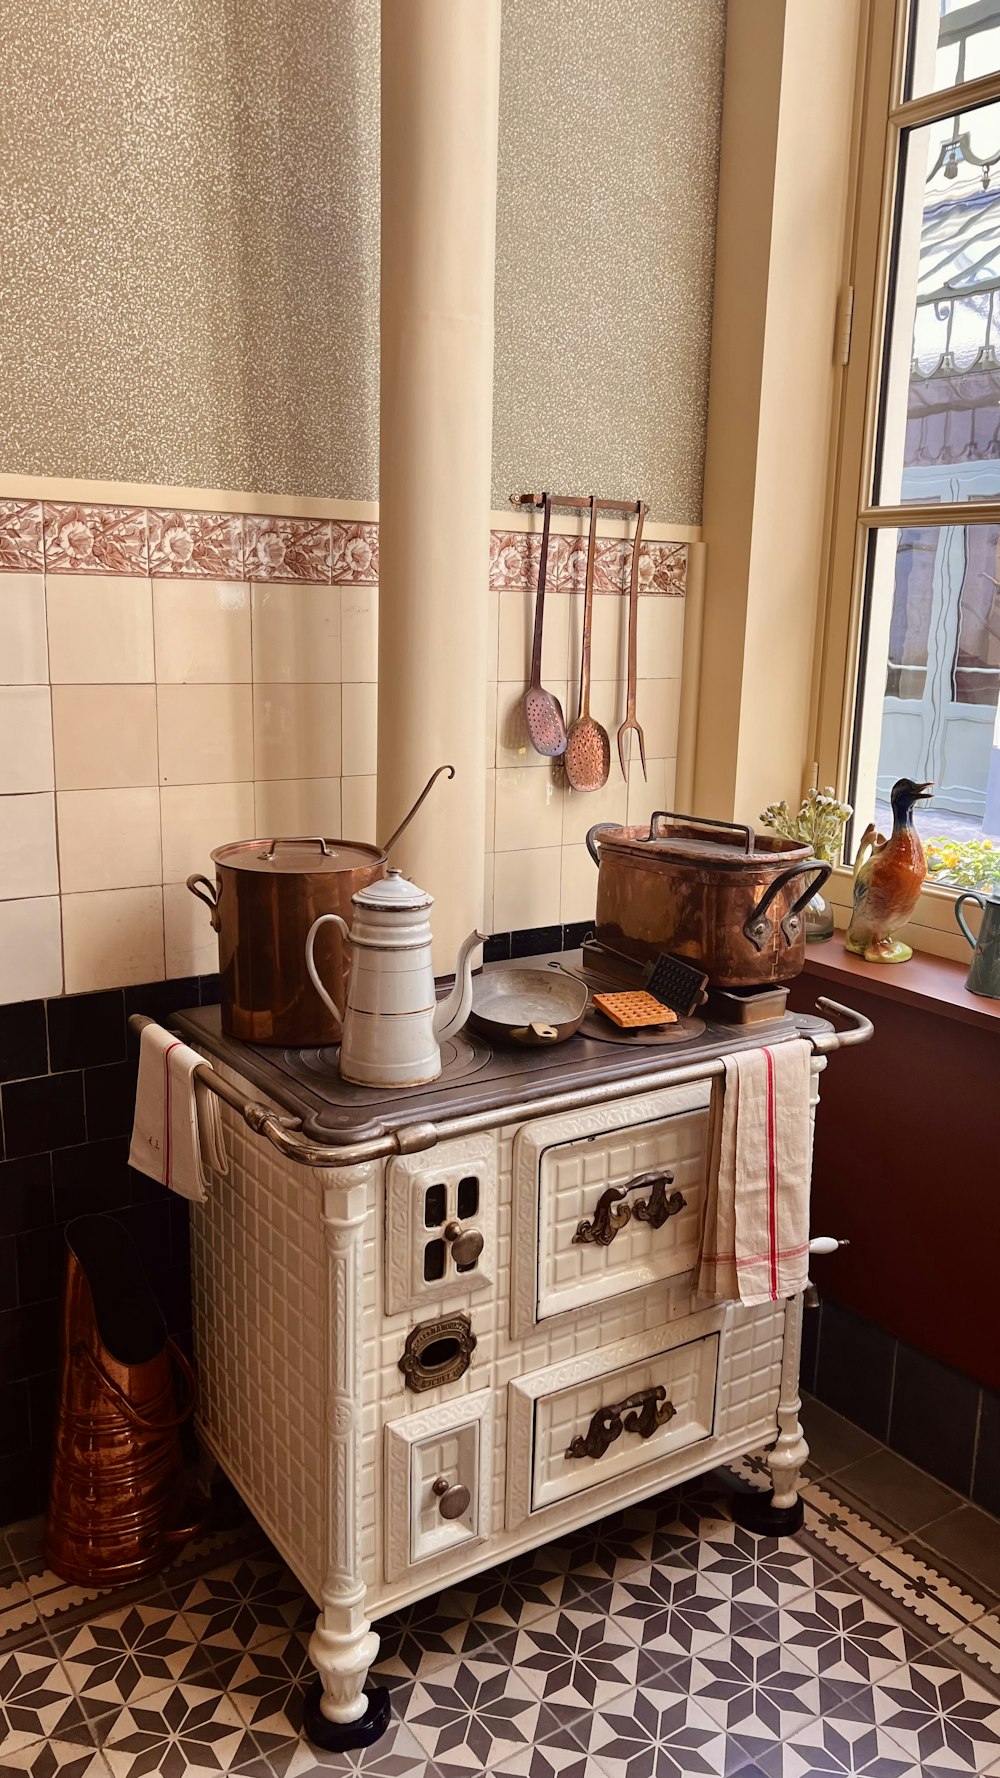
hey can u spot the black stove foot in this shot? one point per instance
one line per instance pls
(755, 1513)
(343, 1737)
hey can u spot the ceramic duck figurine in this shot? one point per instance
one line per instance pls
(888, 877)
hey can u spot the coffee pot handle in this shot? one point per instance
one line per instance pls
(314, 976)
(967, 895)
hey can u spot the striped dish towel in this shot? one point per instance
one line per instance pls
(177, 1130)
(755, 1244)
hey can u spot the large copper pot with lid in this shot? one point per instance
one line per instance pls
(716, 892)
(266, 895)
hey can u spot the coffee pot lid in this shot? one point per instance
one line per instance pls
(393, 892)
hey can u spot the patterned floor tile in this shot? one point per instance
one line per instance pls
(560, 1748)
(243, 1603)
(35, 1695)
(183, 1732)
(19, 1620)
(55, 1759)
(396, 1755)
(829, 1749)
(671, 1610)
(940, 1717)
(576, 1658)
(673, 1521)
(978, 1645)
(474, 1714)
(656, 1732)
(840, 1634)
(268, 1686)
(929, 1598)
(127, 1654)
(751, 1689)
(602, 1551)
(846, 1536)
(754, 1570)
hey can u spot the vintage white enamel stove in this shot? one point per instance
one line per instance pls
(424, 1342)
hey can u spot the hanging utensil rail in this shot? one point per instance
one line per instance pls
(582, 501)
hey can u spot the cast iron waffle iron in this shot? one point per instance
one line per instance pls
(476, 1076)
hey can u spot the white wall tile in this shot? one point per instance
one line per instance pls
(296, 634)
(660, 645)
(582, 809)
(359, 634)
(359, 729)
(28, 846)
(201, 631)
(205, 734)
(658, 708)
(526, 888)
(105, 736)
(195, 819)
(528, 810)
(100, 629)
(578, 893)
(23, 646)
(108, 839)
(112, 937)
(25, 738)
(491, 808)
(657, 793)
(30, 949)
(296, 731)
(513, 746)
(299, 806)
(489, 865)
(358, 811)
(516, 629)
(190, 945)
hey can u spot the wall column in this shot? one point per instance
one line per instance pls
(440, 99)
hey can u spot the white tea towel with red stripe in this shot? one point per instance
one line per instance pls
(177, 1129)
(755, 1245)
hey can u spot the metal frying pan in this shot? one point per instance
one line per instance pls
(529, 1006)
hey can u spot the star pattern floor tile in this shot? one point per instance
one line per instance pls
(664, 1642)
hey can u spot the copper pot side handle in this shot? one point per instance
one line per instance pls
(758, 928)
(592, 846)
(746, 834)
(211, 900)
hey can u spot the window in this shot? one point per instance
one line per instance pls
(910, 677)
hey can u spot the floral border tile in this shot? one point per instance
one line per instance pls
(663, 569)
(21, 537)
(287, 549)
(514, 561)
(95, 539)
(354, 554)
(195, 545)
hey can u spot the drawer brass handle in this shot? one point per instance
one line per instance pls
(654, 1410)
(453, 1497)
(611, 1213)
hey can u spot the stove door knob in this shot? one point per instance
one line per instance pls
(453, 1497)
(466, 1244)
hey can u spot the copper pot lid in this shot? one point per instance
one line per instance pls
(293, 856)
(393, 891)
(766, 849)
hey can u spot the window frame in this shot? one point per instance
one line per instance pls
(882, 115)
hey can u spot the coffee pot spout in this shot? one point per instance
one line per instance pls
(453, 1012)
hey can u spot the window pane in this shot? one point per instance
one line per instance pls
(951, 41)
(931, 678)
(939, 422)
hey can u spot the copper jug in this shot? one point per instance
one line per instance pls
(117, 1505)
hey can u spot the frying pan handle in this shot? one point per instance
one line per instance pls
(314, 975)
(592, 846)
(746, 833)
(757, 926)
(211, 900)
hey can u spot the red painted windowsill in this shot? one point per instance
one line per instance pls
(930, 984)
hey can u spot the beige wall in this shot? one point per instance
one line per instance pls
(189, 238)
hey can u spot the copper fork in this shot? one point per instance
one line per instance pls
(633, 628)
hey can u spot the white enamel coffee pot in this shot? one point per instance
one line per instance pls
(392, 1026)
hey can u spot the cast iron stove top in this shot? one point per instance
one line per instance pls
(476, 1075)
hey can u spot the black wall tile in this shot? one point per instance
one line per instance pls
(158, 1000)
(23, 1046)
(91, 1177)
(43, 1114)
(209, 990)
(29, 1340)
(854, 1368)
(41, 1265)
(532, 941)
(810, 1347)
(986, 1479)
(8, 1273)
(24, 1484)
(15, 1418)
(934, 1415)
(43, 1395)
(497, 948)
(109, 1094)
(574, 935)
(25, 1194)
(86, 1030)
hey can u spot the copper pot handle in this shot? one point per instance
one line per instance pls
(746, 834)
(285, 839)
(211, 900)
(758, 928)
(128, 1409)
(592, 847)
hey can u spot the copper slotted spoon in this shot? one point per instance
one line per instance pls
(543, 717)
(633, 628)
(588, 749)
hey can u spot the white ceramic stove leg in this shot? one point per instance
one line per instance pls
(339, 1713)
(779, 1512)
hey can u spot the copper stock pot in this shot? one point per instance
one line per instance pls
(712, 891)
(266, 895)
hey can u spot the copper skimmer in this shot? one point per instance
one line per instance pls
(588, 748)
(633, 627)
(543, 717)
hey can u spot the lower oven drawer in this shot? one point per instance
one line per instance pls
(438, 1471)
(591, 1420)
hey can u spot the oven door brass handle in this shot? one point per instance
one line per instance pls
(611, 1213)
(650, 1410)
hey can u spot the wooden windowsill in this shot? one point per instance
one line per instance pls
(930, 984)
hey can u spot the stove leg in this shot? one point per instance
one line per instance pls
(339, 1714)
(780, 1512)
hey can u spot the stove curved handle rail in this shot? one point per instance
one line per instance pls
(284, 1134)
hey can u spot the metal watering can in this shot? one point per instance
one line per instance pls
(984, 975)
